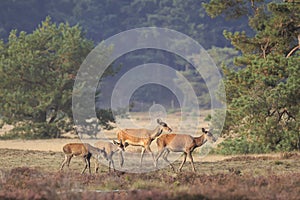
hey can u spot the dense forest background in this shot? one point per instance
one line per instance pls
(254, 42)
(101, 20)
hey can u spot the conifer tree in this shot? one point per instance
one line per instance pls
(37, 73)
(263, 89)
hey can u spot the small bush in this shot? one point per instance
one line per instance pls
(208, 118)
(240, 145)
(32, 131)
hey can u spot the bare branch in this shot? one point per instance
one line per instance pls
(295, 48)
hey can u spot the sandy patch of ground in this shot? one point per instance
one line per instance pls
(40, 145)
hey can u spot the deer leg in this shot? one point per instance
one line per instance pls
(165, 157)
(183, 161)
(89, 163)
(149, 150)
(97, 163)
(192, 161)
(69, 160)
(63, 163)
(121, 159)
(160, 152)
(66, 160)
(96, 166)
(109, 163)
(112, 163)
(142, 155)
(86, 164)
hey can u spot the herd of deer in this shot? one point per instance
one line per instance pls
(138, 137)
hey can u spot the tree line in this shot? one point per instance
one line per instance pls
(101, 20)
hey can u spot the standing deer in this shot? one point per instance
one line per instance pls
(110, 149)
(142, 137)
(181, 143)
(83, 150)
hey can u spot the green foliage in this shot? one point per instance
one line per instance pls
(223, 56)
(208, 118)
(220, 56)
(33, 131)
(106, 18)
(105, 117)
(195, 81)
(231, 8)
(240, 145)
(263, 89)
(37, 73)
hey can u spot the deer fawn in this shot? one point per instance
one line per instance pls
(110, 149)
(84, 150)
(142, 137)
(181, 143)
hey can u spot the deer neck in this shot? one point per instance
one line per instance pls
(156, 132)
(200, 140)
(92, 149)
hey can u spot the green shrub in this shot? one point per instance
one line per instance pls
(241, 145)
(33, 131)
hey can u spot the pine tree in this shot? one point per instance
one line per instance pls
(263, 90)
(37, 73)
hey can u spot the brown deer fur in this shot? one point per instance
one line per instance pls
(110, 149)
(181, 143)
(83, 150)
(142, 137)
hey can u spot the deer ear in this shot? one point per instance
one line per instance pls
(159, 121)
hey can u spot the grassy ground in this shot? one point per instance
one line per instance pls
(29, 169)
(28, 174)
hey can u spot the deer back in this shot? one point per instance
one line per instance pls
(76, 149)
(130, 136)
(176, 142)
(109, 147)
(140, 133)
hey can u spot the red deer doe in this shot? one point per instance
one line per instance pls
(142, 137)
(83, 150)
(110, 149)
(181, 143)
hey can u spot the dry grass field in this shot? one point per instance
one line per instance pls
(31, 174)
(30, 170)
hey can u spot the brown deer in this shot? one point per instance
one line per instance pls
(181, 143)
(110, 149)
(83, 150)
(142, 137)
